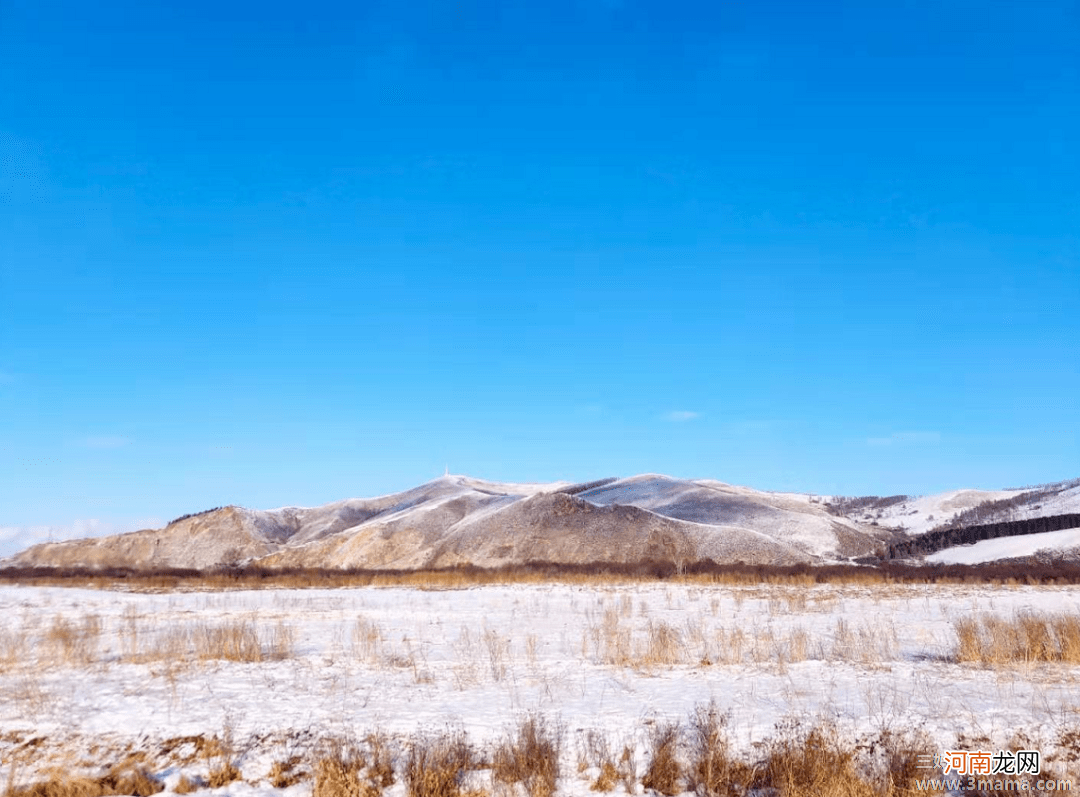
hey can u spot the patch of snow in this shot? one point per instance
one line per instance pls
(1007, 547)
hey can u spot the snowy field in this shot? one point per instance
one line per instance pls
(88, 677)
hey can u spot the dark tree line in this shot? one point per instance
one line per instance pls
(946, 538)
(194, 514)
(255, 576)
(842, 505)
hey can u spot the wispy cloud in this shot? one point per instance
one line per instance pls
(906, 439)
(17, 538)
(681, 416)
(105, 441)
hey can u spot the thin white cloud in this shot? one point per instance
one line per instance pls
(906, 439)
(18, 538)
(106, 441)
(681, 416)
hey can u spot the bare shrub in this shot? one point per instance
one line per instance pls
(530, 758)
(664, 772)
(705, 572)
(435, 765)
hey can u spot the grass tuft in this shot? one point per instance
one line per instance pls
(713, 771)
(814, 764)
(664, 772)
(530, 758)
(1027, 637)
(119, 780)
(436, 765)
(338, 773)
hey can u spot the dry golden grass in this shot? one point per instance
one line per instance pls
(595, 751)
(219, 754)
(435, 765)
(12, 648)
(531, 758)
(233, 640)
(187, 785)
(222, 775)
(713, 771)
(380, 759)
(367, 639)
(62, 783)
(338, 773)
(1027, 637)
(608, 777)
(664, 772)
(799, 761)
(627, 768)
(663, 646)
(814, 764)
(69, 643)
(900, 767)
(285, 773)
(498, 650)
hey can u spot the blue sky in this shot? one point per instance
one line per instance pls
(283, 253)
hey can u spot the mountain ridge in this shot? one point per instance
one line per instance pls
(462, 520)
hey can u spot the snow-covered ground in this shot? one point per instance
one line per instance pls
(1008, 547)
(592, 659)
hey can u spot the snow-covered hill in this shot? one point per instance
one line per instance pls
(459, 519)
(462, 520)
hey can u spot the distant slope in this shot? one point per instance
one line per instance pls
(915, 515)
(224, 536)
